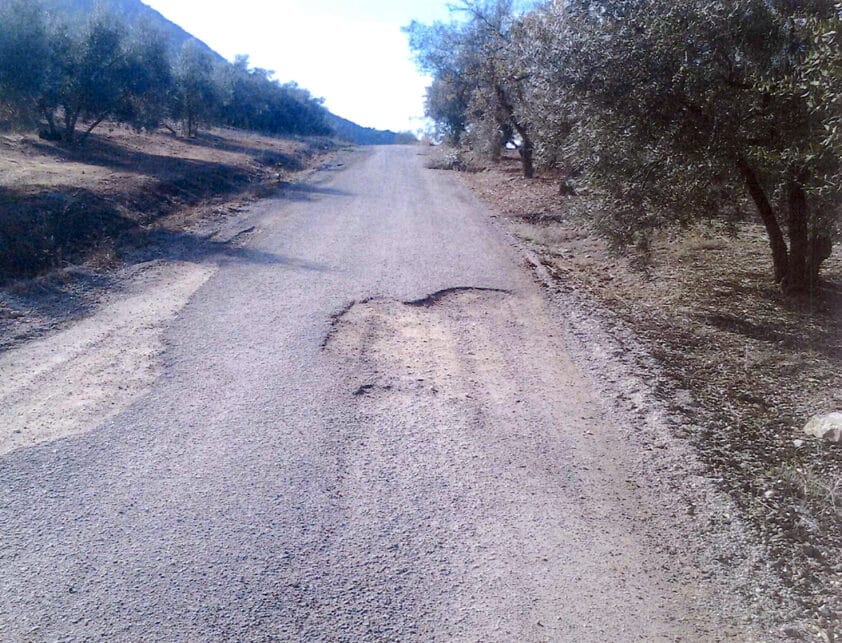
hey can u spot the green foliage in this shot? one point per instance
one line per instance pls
(253, 99)
(442, 51)
(674, 110)
(88, 74)
(447, 104)
(686, 105)
(24, 47)
(195, 95)
(818, 83)
(149, 78)
(349, 131)
(96, 72)
(405, 138)
(121, 67)
(479, 83)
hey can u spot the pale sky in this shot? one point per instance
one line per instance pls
(351, 53)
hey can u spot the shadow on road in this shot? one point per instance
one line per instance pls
(306, 192)
(169, 245)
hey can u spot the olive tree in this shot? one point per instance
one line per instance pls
(148, 81)
(70, 72)
(24, 54)
(251, 98)
(684, 106)
(547, 49)
(478, 84)
(196, 94)
(86, 74)
(441, 51)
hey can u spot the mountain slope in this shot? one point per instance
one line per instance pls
(136, 12)
(132, 11)
(350, 131)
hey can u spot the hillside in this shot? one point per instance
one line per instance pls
(135, 12)
(47, 220)
(350, 131)
(132, 11)
(64, 205)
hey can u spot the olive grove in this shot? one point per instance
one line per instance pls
(65, 73)
(671, 110)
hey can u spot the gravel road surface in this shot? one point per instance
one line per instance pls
(363, 425)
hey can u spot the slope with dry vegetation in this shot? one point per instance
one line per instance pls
(70, 216)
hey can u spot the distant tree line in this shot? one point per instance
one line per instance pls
(669, 111)
(350, 131)
(73, 76)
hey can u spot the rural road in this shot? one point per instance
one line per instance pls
(364, 425)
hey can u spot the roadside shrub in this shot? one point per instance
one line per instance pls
(446, 157)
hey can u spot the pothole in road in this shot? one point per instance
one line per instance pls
(341, 319)
(385, 346)
(439, 295)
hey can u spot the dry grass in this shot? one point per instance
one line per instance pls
(445, 157)
(71, 219)
(59, 204)
(119, 157)
(741, 366)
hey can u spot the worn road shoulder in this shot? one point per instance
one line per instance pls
(74, 380)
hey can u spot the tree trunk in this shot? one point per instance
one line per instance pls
(798, 277)
(51, 121)
(192, 126)
(820, 248)
(527, 148)
(527, 152)
(780, 254)
(70, 118)
(807, 251)
(496, 151)
(92, 127)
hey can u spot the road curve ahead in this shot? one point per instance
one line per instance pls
(366, 428)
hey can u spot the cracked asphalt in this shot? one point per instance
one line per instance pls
(365, 426)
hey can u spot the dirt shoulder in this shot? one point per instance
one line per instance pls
(77, 225)
(735, 368)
